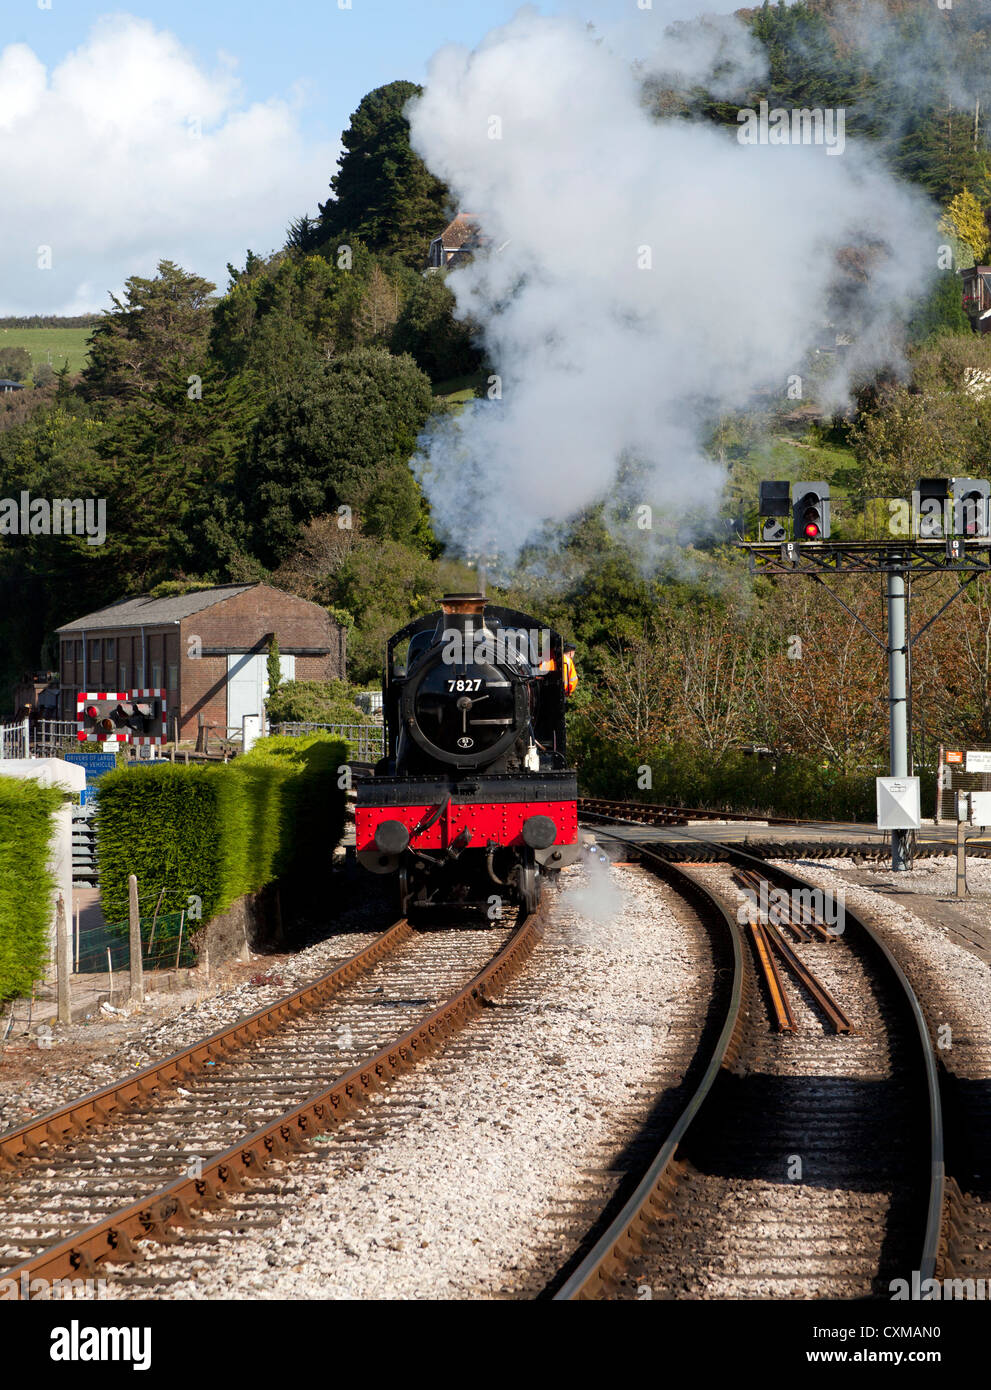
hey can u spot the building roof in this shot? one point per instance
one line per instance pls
(11, 385)
(456, 233)
(143, 610)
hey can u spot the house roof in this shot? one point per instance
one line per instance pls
(456, 233)
(147, 611)
(15, 385)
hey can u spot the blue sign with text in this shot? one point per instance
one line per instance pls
(96, 764)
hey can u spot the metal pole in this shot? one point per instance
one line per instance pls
(897, 698)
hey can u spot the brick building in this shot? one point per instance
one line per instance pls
(207, 648)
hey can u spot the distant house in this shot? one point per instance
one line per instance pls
(456, 242)
(208, 649)
(977, 297)
(6, 386)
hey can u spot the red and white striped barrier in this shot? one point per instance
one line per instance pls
(84, 735)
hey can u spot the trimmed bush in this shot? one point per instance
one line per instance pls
(213, 833)
(26, 883)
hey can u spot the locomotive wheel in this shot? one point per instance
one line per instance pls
(529, 886)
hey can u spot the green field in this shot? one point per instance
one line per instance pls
(64, 344)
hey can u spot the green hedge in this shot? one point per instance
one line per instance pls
(790, 785)
(215, 832)
(26, 882)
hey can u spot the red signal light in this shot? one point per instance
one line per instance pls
(811, 530)
(92, 712)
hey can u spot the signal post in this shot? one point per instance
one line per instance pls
(943, 540)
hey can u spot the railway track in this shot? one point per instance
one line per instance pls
(781, 1176)
(82, 1187)
(688, 849)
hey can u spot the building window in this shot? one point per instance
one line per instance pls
(94, 649)
(173, 677)
(156, 676)
(123, 676)
(108, 649)
(79, 651)
(67, 654)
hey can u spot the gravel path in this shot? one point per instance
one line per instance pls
(469, 1188)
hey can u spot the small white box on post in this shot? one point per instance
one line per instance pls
(899, 803)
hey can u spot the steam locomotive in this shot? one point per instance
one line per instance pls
(473, 797)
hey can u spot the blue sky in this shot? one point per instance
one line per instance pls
(98, 104)
(339, 54)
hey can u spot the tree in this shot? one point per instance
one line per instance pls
(159, 328)
(15, 364)
(428, 331)
(273, 666)
(337, 436)
(964, 218)
(383, 192)
(941, 311)
(315, 702)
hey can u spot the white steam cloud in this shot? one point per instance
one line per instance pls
(640, 273)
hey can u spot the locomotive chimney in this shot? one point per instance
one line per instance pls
(467, 605)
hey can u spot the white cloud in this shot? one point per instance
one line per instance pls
(128, 152)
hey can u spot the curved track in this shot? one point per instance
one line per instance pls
(733, 1224)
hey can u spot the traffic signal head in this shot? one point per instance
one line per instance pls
(774, 498)
(931, 495)
(970, 507)
(810, 511)
(123, 716)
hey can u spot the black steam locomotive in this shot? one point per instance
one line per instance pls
(474, 798)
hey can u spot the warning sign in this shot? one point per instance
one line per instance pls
(899, 803)
(978, 761)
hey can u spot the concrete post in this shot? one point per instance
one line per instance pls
(962, 890)
(897, 698)
(137, 974)
(63, 961)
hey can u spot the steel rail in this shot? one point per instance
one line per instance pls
(111, 1240)
(67, 1122)
(783, 1014)
(591, 1276)
(622, 1237)
(815, 987)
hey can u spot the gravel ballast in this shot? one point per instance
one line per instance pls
(473, 1157)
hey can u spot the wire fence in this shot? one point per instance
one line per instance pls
(166, 944)
(365, 741)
